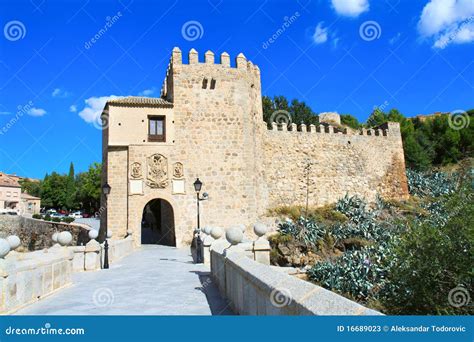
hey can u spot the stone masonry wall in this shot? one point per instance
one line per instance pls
(339, 163)
(214, 129)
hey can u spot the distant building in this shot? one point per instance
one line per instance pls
(424, 117)
(11, 197)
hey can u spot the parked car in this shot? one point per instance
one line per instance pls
(76, 215)
(58, 215)
(8, 212)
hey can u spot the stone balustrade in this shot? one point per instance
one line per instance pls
(255, 288)
(28, 277)
(258, 250)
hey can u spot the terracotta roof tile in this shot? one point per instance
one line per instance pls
(5, 180)
(140, 101)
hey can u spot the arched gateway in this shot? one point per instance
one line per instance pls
(157, 225)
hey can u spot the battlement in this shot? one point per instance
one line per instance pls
(389, 128)
(176, 61)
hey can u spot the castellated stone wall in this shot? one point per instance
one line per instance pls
(216, 136)
(338, 163)
(214, 131)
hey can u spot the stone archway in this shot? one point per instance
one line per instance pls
(157, 224)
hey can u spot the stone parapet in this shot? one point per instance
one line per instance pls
(28, 277)
(256, 289)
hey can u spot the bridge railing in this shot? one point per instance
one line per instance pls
(255, 288)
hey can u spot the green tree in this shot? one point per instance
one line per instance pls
(299, 112)
(53, 191)
(432, 259)
(376, 118)
(31, 187)
(89, 190)
(351, 121)
(70, 195)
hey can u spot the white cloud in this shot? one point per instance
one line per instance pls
(350, 8)
(147, 92)
(320, 35)
(73, 108)
(447, 22)
(94, 107)
(57, 92)
(36, 111)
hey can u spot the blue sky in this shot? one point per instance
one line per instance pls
(337, 55)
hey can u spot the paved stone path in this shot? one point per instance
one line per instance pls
(154, 280)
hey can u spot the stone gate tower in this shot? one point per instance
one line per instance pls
(208, 123)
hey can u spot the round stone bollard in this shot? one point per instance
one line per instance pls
(242, 227)
(217, 232)
(64, 238)
(109, 234)
(234, 235)
(207, 230)
(54, 237)
(93, 234)
(14, 242)
(260, 229)
(4, 248)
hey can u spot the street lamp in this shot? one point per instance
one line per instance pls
(199, 245)
(106, 191)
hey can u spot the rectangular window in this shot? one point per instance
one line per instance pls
(156, 128)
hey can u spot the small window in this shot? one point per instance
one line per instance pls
(213, 84)
(204, 83)
(156, 128)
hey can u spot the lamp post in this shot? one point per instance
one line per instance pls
(199, 245)
(106, 191)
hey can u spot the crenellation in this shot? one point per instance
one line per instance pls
(193, 56)
(240, 61)
(209, 57)
(176, 56)
(225, 59)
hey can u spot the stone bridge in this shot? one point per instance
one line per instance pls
(236, 278)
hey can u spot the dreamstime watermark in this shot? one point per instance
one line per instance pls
(102, 121)
(109, 22)
(459, 296)
(280, 297)
(46, 330)
(281, 117)
(192, 30)
(370, 30)
(103, 296)
(458, 119)
(14, 30)
(21, 110)
(381, 107)
(445, 40)
(287, 21)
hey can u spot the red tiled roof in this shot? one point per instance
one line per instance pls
(6, 180)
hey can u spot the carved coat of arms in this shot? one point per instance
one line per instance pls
(178, 171)
(136, 170)
(157, 171)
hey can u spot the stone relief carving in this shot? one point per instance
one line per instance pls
(157, 171)
(178, 171)
(136, 170)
